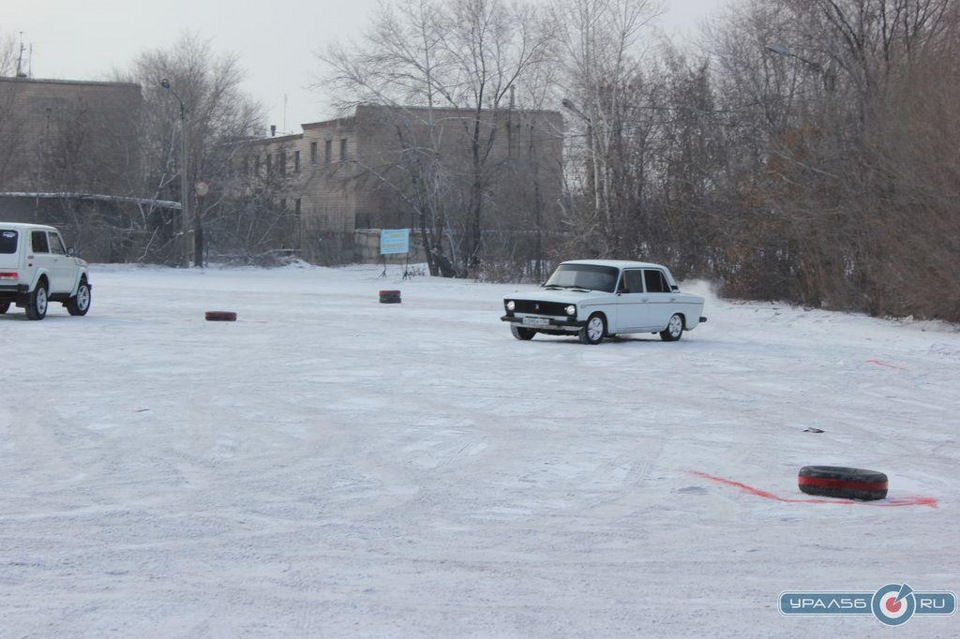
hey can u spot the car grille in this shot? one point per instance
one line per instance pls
(540, 308)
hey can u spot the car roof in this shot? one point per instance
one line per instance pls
(616, 263)
(24, 226)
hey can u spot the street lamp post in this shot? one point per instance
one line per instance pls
(829, 77)
(184, 197)
(779, 49)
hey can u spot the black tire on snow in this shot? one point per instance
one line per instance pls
(3, 307)
(522, 333)
(843, 482)
(389, 297)
(37, 302)
(79, 304)
(220, 316)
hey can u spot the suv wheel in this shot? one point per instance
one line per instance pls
(79, 304)
(37, 302)
(3, 307)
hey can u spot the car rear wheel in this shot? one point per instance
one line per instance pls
(593, 331)
(79, 304)
(674, 329)
(3, 307)
(37, 302)
(522, 333)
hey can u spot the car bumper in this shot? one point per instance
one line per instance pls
(545, 323)
(12, 290)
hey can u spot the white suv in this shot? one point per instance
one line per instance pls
(36, 268)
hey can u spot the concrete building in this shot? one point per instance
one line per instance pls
(386, 167)
(70, 152)
(59, 135)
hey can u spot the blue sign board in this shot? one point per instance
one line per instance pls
(394, 242)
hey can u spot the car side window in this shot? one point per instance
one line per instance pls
(632, 281)
(38, 241)
(656, 282)
(8, 242)
(56, 244)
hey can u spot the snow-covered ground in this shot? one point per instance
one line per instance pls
(330, 466)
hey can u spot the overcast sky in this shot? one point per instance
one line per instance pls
(276, 41)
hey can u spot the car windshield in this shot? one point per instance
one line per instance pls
(589, 276)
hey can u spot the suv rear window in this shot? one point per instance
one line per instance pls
(8, 241)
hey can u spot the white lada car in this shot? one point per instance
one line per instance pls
(594, 299)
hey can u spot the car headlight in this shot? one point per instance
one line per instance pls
(571, 310)
(511, 305)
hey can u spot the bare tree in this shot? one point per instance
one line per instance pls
(603, 45)
(841, 202)
(9, 55)
(217, 114)
(480, 57)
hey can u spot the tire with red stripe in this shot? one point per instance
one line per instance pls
(389, 297)
(842, 482)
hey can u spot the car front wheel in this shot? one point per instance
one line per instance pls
(79, 304)
(674, 329)
(3, 307)
(522, 333)
(592, 332)
(37, 302)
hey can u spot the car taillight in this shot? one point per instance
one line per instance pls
(9, 276)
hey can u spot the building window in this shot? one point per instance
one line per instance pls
(256, 166)
(313, 152)
(297, 207)
(282, 162)
(283, 204)
(269, 164)
(343, 150)
(296, 161)
(328, 151)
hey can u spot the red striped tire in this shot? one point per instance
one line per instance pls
(389, 297)
(220, 316)
(845, 483)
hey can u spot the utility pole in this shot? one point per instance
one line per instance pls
(185, 225)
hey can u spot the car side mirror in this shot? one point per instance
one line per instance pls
(71, 252)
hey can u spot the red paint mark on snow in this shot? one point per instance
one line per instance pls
(882, 503)
(886, 365)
